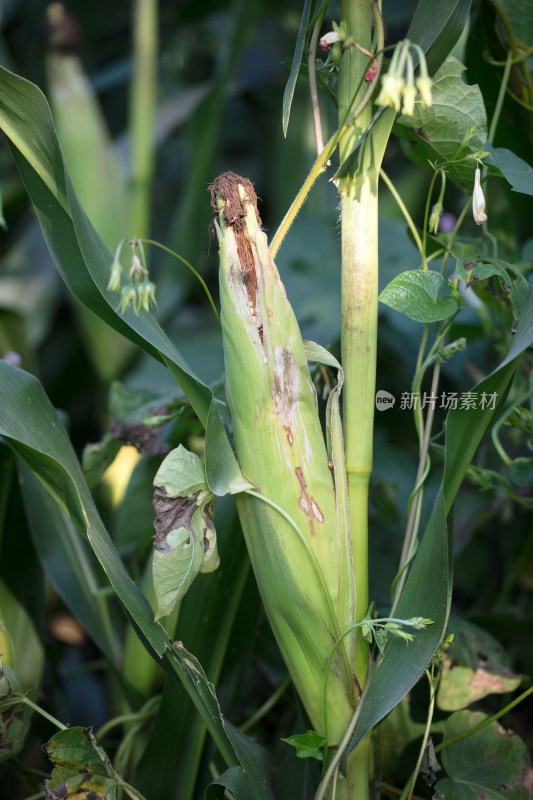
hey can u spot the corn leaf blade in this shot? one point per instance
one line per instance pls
(295, 68)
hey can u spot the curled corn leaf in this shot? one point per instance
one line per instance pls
(185, 541)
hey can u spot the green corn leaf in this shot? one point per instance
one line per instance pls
(170, 765)
(69, 563)
(295, 68)
(437, 26)
(32, 429)
(79, 253)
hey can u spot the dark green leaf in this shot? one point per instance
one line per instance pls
(69, 563)
(491, 763)
(98, 457)
(457, 120)
(295, 68)
(519, 14)
(516, 171)
(250, 781)
(39, 439)
(209, 616)
(516, 289)
(521, 471)
(437, 26)
(80, 255)
(308, 745)
(416, 294)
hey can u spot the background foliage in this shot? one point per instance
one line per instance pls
(221, 74)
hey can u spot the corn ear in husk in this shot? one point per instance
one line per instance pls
(301, 558)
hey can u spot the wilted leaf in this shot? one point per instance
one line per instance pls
(81, 768)
(185, 542)
(475, 666)
(457, 114)
(416, 294)
(14, 716)
(492, 763)
(430, 766)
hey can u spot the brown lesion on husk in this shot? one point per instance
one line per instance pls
(307, 504)
(226, 186)
(285, 388)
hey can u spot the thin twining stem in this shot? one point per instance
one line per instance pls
(317, 124)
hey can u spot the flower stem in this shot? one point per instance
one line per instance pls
(43, 713)
(312, 84)
(143, 100)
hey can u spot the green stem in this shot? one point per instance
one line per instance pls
(43, 713)
(147, 711)
(143, 102)
(501, 97)
(362, 791)
(131, 791)
(265, 708)
(410, 786)
(426, 220)
(312, 83)
(359, 237)
(190, 267)
(408, 218)
(414, 511)
(348, 118)
(485, 722)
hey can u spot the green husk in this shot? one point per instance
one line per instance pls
(301, 557)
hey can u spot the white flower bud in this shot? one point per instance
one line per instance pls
(114, 280)
(409, 95)
(329, 38)
(424, 84)
(478, 200)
